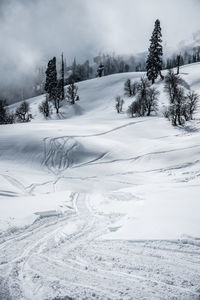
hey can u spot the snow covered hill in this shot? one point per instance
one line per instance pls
(98, 205)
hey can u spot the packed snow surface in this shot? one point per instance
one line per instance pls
(97, 205)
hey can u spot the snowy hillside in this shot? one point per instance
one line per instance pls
(98, 205)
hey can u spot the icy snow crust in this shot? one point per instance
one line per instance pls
(95, 205)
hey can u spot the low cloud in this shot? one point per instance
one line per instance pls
(32, 31)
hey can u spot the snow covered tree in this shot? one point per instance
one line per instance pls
(3, 113)
(5, 116)
(154, 60)
(51, 78)
(72, 95)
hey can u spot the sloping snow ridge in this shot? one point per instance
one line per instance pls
(97, 205)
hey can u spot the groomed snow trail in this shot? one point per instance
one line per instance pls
(44, 262)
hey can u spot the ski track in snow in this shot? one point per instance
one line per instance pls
(67, 256)
(42, 262)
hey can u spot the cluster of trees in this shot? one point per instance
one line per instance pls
(110, 64)
(22, 113)
(55, 88)
(182, 106)
(130, 89)
(79, 72)
(146, 100)
(188, 57)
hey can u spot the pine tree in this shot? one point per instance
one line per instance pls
(62, 78)
(51, 78)
(154, 60)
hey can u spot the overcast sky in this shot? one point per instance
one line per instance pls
(33, 29)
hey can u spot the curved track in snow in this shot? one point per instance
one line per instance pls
(45, 262)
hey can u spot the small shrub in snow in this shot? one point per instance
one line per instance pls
(191, 105)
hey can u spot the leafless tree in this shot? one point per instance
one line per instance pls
(119, 104)
(191, 105)
(152, 100)
(45, 107)
(172, 81)
(22, 112)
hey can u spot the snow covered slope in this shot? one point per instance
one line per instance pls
(73, 187)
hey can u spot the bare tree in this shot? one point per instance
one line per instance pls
(142, 94)
(22, 112)
(172, 82)
(119, 104)
(45, 107)
(152, 100)
(128, 88)
(191, 105)
(177, 109)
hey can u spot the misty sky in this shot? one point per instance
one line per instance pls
(31, 30)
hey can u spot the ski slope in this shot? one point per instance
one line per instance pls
(97, 205)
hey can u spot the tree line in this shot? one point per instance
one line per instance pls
(182, 105)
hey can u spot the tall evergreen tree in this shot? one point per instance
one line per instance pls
(62, 78)
(51, 78)
(154, 60)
